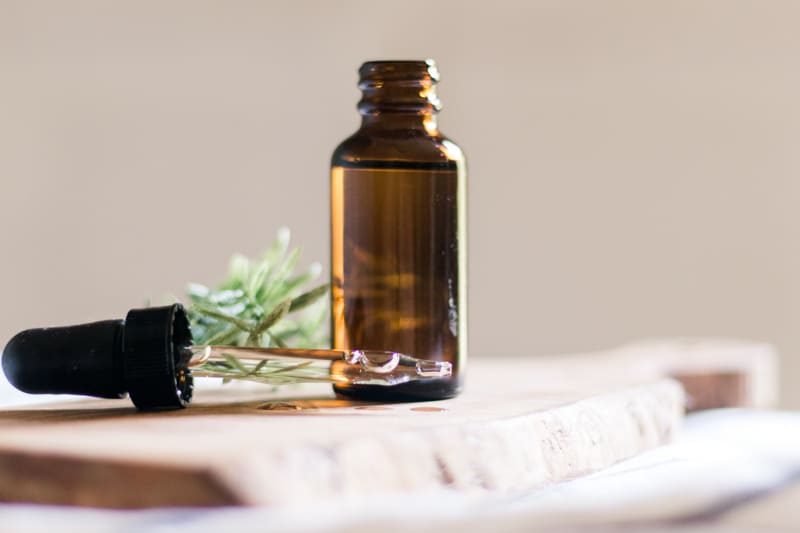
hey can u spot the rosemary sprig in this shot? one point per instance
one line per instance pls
(262, 303)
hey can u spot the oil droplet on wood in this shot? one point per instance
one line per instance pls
(429, 409)
(280, 406)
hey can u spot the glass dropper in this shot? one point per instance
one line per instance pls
(280, 366)
(149, 356)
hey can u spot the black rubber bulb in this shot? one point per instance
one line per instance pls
(142, 355)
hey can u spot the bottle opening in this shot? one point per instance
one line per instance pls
(405, 86)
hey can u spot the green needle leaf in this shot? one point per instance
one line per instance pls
(259, 366)
(235, 363)
(226, 336)
(278, 341)
(308, 298)
(280, 311)
(290, 368)
(220, 315)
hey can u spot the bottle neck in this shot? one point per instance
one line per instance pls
(399, 95)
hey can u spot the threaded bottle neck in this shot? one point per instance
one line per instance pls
(398, 88)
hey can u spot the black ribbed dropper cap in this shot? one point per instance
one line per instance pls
(141, 355)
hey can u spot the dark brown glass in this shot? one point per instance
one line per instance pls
(398, 231)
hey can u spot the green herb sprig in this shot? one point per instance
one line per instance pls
(251, 307)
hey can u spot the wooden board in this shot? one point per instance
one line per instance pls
(521, 423)
(714, 372)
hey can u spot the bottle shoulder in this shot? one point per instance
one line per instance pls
(398, 145)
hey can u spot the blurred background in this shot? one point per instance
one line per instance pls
(633, 166)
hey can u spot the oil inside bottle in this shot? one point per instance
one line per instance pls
(398, 259)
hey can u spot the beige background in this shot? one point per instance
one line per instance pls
(633, 165)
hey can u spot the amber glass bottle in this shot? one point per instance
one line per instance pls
(398, 230)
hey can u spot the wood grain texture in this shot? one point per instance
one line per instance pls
(521, 423)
